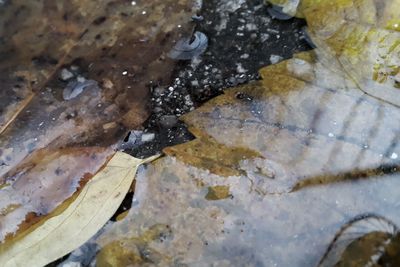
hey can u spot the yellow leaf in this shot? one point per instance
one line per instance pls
(91, 209)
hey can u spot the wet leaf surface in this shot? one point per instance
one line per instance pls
(306, 149)
(75, 77)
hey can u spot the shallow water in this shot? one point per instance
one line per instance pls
(278, 165)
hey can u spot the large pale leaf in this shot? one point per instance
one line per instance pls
(301, 130)
(278, 166)
(81, 219)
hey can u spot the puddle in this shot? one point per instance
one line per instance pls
(296, 158)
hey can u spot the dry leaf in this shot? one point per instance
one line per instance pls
(81, 219)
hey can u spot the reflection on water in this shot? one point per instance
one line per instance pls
(247, 229)
(305, 132)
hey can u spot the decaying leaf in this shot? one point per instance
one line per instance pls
(308, 121)
(75, 77)
(74, 223)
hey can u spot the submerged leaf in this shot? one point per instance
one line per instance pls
(301, 127)
(75, 77)
(74, 223)
(266, 145)
(213, 156)
(357, 37)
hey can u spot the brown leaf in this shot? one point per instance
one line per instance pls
(75, 77)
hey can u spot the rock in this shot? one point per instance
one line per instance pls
(147, 137)
(65, 75)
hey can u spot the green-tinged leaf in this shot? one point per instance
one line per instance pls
(359, 38)
(79, 221)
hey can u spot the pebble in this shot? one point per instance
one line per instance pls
(65, 75)
(147, 137)
(275, 59)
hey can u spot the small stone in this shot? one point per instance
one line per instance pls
(240, 69)
(147, 137)
(107, 83)
(65, 75)
(74, 68)
(232, 81)
(275, 59)
(157, 110)
(158, 91)
(81, 79)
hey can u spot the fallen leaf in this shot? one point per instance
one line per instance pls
(357, 37)
(43, 182)
(67, 229)
(75, 76)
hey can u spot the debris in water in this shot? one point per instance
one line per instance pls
(275, 59)
(75, 88)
